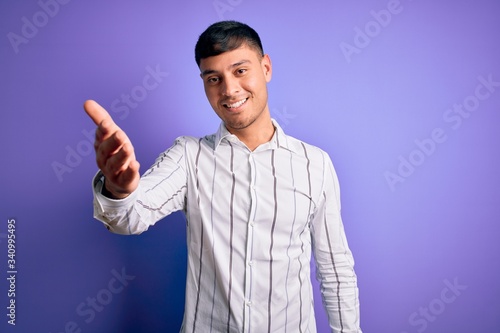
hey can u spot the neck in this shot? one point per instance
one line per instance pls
(259, 132)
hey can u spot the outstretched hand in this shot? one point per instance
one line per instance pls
(114, 153)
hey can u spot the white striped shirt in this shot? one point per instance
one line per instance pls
(253, 218)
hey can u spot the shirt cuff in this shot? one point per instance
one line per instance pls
(105, 207)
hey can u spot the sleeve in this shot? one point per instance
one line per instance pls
(334, 260)
(161, 191)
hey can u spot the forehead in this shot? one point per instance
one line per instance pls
(226, 60)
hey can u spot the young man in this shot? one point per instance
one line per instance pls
(257, 202)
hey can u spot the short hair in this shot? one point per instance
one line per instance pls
(226, 36)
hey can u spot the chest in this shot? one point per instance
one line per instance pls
(261, 187)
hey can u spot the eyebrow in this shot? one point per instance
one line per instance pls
(212, 71)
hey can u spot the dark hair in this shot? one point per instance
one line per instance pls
(226, 36)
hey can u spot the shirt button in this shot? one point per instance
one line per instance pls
(250, 263)
(248, 303)
(252, 224)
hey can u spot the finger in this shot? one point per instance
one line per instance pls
(106, 129)
(130, 177)
(121, 160)
(126, 177)
(126, 182)
(109, 147)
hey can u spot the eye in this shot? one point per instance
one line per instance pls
(212, 80)
(241, 71)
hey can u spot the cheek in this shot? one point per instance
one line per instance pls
(258, 87)
(253, 84)
(211, 95)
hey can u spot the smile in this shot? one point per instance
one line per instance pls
(236, 104)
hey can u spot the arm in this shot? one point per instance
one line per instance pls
(334, 260)
(123, 201)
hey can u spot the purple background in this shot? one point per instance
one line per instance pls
(374, 111)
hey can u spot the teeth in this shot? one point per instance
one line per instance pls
(237, 104)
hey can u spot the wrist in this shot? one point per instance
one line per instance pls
(110, 194)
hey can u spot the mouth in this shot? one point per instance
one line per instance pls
(235, 105)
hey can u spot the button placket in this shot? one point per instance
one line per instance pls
(249, 245)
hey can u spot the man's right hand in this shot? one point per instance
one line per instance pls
(114, 153)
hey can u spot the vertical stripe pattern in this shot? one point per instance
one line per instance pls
(254, 218)
(275, 214)
(200, 265)
(231, 234)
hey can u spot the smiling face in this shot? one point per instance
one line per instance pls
(236, 87)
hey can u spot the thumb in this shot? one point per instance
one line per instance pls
(97, 113)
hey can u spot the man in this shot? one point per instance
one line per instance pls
(257, 202)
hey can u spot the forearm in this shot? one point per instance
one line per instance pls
(339, 291)
(334, 260)
(161, 191)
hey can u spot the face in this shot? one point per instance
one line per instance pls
(236, 86)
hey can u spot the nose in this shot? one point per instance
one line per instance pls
(230, 87)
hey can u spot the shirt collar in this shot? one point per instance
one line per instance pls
(279, 139)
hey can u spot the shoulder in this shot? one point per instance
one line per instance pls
(307, 150)
(180, 147)
(186, 142)
(188, 145)
(192, 146)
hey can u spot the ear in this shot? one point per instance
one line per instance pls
(267, 67)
